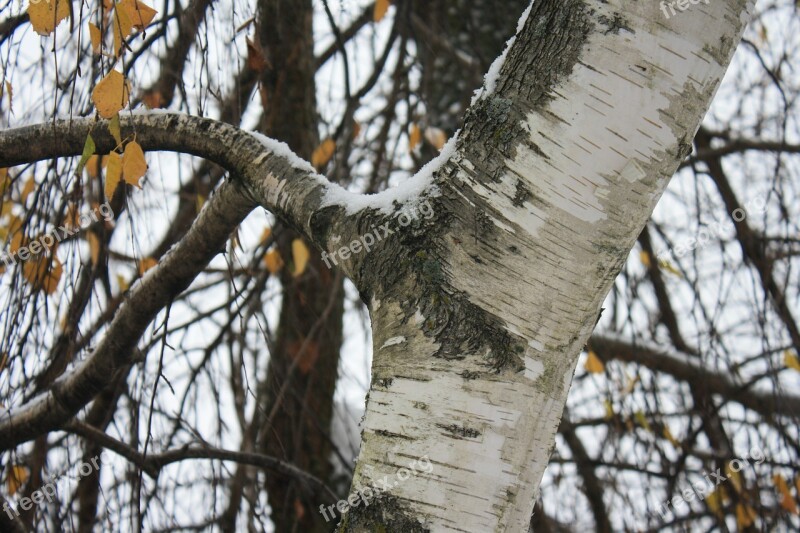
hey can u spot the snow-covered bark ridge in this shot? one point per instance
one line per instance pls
(561, 162)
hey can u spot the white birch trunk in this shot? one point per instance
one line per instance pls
(556, 173)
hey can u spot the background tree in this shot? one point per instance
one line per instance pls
(697, 380)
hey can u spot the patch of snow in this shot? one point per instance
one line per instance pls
(406, 194)
(154, 111)
(282, 149)
(490, 80)
(524, 18)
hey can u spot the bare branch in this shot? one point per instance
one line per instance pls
(688, 368)
(152, 464)
(295, 196)
(51, 409)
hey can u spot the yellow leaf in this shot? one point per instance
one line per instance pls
(670, 437)
(436, 137)
(115, 129)
(43, 273)
(745, 515)
(787, 501)
(146, 264)
(715, 501)
(89, 149)
(381, 7)
(663, 264)
(111, 94)
(414, 137)
(113, 173)
(300, 255)
(45, 16)
(29, 187)
(153, 99)
(94, 247)
(644, 257)
(791, 360)
(140, 14)
(641, 419)
(5, 181)
(122, 282)
(734, 477)
(15, 225)
(200, 201)
(10, 92)
(134, 164)
(17, 476)
(273, 261)
(96, 37)
(94, 164)
(609, 409)
(122, 26)
(593, 364)
(323, 153)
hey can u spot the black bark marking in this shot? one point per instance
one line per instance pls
(521, 195)
(392, 435)
(460, 432)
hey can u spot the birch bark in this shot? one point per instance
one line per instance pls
(554, 176)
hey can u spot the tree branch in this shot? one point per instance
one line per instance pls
(152, 464)
(51, 409)
(257, 161)
(296, 197)
(689, 369)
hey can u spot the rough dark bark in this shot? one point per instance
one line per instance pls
(303, 367)
(456, 42)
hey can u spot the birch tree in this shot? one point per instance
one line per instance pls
(480, 310)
